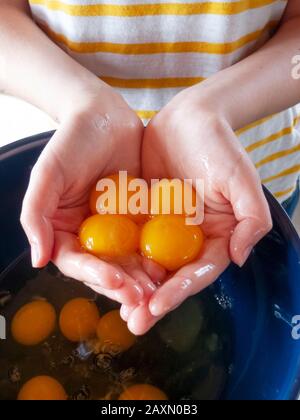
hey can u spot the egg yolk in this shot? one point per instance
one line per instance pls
(172, 197)
(78, 319)
(42, 388)
(170, 242)
(112, 332)
(137, 218)
(143, 392)
(33, 323)
(109, 236)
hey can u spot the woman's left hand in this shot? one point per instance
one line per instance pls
(189, 140)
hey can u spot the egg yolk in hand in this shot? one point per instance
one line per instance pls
(78, 319)
(172, 196)
(33, 323)
(109, 236)
(95, 195)
(112, 332)
(143, 392)
(42, 388)
(170, 242)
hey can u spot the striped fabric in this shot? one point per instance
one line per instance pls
(150, 50)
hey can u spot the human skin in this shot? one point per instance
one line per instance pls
(193, 137)
(94, 121)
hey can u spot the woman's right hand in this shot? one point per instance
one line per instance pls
(102, 136)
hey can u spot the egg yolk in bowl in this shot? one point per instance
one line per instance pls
(33, 323)
(78, 319)
(113, 332)
(143, 392)
(42, 388)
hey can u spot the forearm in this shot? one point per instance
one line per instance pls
(33, 68)
(260, 85)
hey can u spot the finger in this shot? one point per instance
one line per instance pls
(39, 232)
(141, 320)
(39, 204)
(245, 236)
(148, 287)
(126, 310)
(192, 278)
(113, 295)
(142, 278)
(121, 295)
(35, 221)
(251, 211)
(155, 271)
(84, 267)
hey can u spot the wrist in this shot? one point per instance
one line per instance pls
(201, 104)
(86, 97)
(98, 109)
(94, 97)
(213, 102)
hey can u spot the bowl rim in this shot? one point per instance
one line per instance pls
(24, 144)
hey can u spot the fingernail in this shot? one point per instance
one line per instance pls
(35, 255)
(125, 312)
(245, 256)
(157, 309)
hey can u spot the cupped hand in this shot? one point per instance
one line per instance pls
(100, 138)
(187, 141)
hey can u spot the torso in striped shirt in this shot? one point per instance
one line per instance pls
(149, 51)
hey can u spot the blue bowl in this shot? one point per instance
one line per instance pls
(262, 298)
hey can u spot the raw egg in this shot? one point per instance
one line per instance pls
(78, 319)
(143, 392)
(112, 332)
(42, 388)
(33, 323)
(102, 205)
(170, 242)
(109, 236)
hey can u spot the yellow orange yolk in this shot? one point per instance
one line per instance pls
(172, 196)
(109, 236)
(143, 392)
(78, 319)
(42, 388)
(112, 332)
(33, 323)
(170, 242)
(95, 195)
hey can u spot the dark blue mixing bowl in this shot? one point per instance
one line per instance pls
(263, 297)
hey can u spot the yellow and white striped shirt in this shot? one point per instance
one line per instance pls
(150, 50)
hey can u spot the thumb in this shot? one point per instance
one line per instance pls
(39, 204)
(245, 236)
(251, 211)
